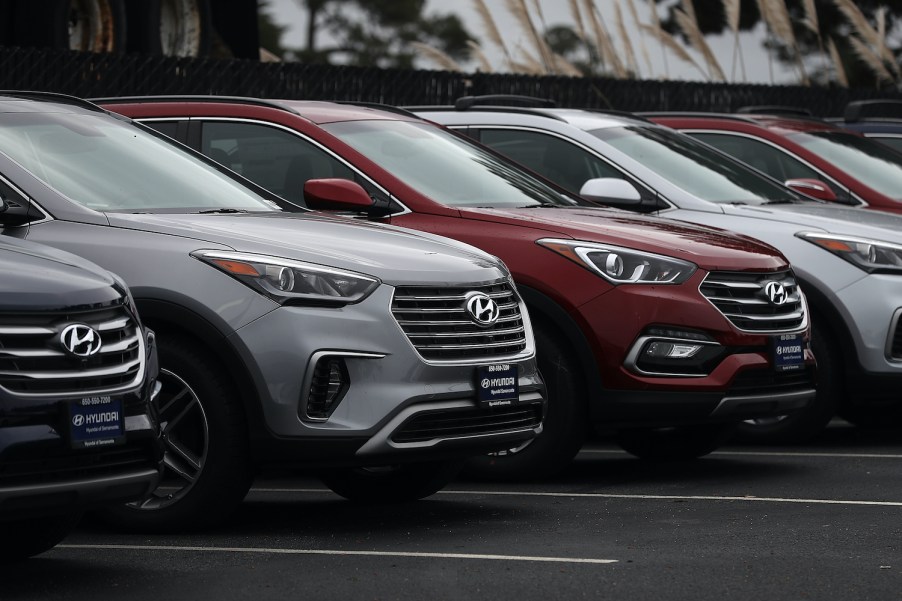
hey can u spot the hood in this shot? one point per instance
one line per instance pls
(709, 248)
(40, 278)
(394, 255)
(835, 219)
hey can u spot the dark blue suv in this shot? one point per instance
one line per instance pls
(77, 374)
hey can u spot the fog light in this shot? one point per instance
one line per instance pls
(672, 350)
(327, 387)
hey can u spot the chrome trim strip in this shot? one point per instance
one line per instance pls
(26, 331)
(308, 377)
(30, 353)
(74, 375)
(632, 357)
(894, 324)
(115, 324)
(775, 317)
(727, 404)
(516, 330)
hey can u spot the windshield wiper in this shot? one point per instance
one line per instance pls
(784, 201)
(222, 210)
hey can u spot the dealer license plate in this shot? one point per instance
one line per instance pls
(96, 421)
(498, 385)
(788, 351)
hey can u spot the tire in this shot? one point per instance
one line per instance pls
(391, 484)
(674, 444)
(26, 538)
(801, 426)
(207, 469)
(83, 25)
(872, 417)
(169, 27)
(564, 428)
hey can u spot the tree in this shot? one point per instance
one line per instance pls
(862, 44)
(378, 32)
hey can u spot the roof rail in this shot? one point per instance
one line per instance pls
(862, 110)
(465, 102)
(389, 108)
(194, 98)
(690, 114)
(52, 96)
(773, 109)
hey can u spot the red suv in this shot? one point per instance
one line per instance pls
(813, 156)
(668, 334)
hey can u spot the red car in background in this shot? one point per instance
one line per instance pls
(802, 151)
(668, 334)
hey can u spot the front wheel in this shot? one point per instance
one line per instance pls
(564, 428)
(676, 443)
(391, 484)
(26, 538)
(206, 460)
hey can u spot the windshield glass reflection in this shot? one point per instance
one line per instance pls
(108, 165)
(868, 161)
(693, 166)
(444, 167)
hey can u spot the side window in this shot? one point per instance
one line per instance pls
(167, 128)
(276, 159)
(894, 142)
(761, 156)
(560, 161)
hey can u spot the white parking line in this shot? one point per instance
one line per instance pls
(276, 551)
(766, 454)
(569, 495)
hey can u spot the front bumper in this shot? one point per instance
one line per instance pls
(390, 386)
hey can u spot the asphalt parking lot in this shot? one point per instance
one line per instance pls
(820, 521)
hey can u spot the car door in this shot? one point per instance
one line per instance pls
(555, 158)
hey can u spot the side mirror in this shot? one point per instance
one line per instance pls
(335, 194)
(612, 191)
(814, 188)
(12, 214)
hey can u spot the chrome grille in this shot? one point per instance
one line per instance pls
(33, 361)
(438, 325)
(742, 298)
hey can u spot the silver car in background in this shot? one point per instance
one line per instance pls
(285, 339)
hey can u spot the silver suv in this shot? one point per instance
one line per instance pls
(290, 339)
(848, 261)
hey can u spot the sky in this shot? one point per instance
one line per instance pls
(758, 66)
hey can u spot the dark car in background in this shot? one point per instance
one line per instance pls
(78, 373)
(636, 319)
(879, 120)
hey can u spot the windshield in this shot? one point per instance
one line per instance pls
(693, 166)
(866, 160)
(108, 165)
(444, 167)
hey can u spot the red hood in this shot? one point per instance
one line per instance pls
(709, 248)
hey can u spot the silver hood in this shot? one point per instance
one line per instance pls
(395, 255)
(813, 216)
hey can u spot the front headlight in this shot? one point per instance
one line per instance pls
(292, 282)
(620, 265)
(873, 256)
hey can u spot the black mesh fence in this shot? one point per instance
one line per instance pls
(91, 75)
